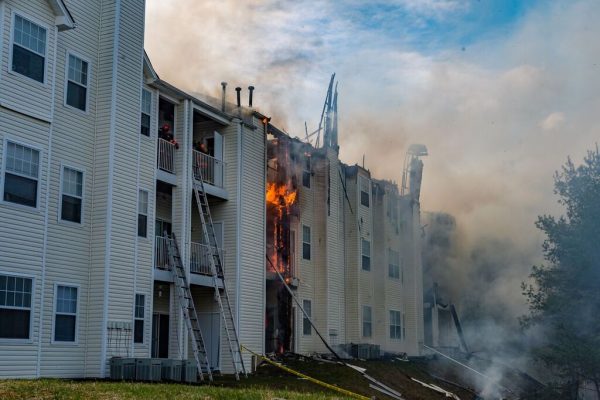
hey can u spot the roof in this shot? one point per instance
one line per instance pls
(64, 20)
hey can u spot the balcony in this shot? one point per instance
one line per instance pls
(166, 156)
(199, 257)
(209, 168)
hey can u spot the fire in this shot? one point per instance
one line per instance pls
(280, 195)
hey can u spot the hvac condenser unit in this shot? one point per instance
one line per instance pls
(147, 369)
(171, 370)
(122, 368)
(190, 372)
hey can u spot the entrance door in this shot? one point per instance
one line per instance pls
(210, 323)
(160, 335)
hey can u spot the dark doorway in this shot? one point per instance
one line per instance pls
(160, 335)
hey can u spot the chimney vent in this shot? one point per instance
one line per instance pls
(251, 90)
(239, 100)
(224, 85)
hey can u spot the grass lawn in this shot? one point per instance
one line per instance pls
(56, 389)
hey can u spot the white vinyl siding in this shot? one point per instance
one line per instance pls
(306, 326)
(395, 325)
(15, 307)
(65, 314)
(21, 174)
(77, 83)
(71, 197)
(367, 321)
(28, 53)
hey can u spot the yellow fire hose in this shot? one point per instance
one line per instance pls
(318, 382)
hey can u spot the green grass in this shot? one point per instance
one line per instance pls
(55, 389)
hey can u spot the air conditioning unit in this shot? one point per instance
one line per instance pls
(122, 368)
(171, 370)
(190, 372)
(148, 369)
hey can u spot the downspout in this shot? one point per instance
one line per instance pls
(264, 276)
(239, 225)
(45, 243)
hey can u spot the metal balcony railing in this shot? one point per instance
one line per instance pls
(199, 259)
(161, 257)
(211, 169)
(166, 156)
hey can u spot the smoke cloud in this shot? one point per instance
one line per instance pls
(498, 115)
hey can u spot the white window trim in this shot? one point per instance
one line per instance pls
(304, 170)
(143, 342)
(54, 313)
(147, 89)
(362, 321)
(60, 195)
(18, 206)
(11, 42)
(362, 179)
(303, 317)
(31, 311)
(309, 243)
(66, 85)
(398, 265)
(395, 339)
(148, 235)
(362, 239)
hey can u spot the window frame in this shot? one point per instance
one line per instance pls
(307, 162)
(309, 243)
(362, 254)
(60, 194)
(144, 89)
(136, 318)
(55, 313)
(363, 321)
(67, 80)
(397, 326)
(23, 207)
(11, 43)
(362, 181)
(306, 320)
(31, 310)
(140, 190)
(391, 264)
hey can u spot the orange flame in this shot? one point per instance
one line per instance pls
(280, 195)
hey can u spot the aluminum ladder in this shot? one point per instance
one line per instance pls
(186, 302)
(216, 270)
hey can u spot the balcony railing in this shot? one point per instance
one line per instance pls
(161, 257)
(199, 256)
(199, 259)
(166, 156)
(210, 168)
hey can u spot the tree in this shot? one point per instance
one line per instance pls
(564, 295)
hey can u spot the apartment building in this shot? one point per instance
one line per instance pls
(99, 158)
(348, 245)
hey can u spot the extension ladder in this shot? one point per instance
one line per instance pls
(216, 270)
(187, 307)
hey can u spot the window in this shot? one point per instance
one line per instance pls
(366, 255)
(29, 49)
(65, 322)
(393, 264)
(138, 327)
(146, 112)
(306, 172)
(395, 325)
(77, 83)
(72, 195)
(21, 172)
(15, 307)
(364, 191)
(403, 325)
(306, 326)
(305, 242)
(367, 322)
(143, 213)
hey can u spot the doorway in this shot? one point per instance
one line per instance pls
(160, 335)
